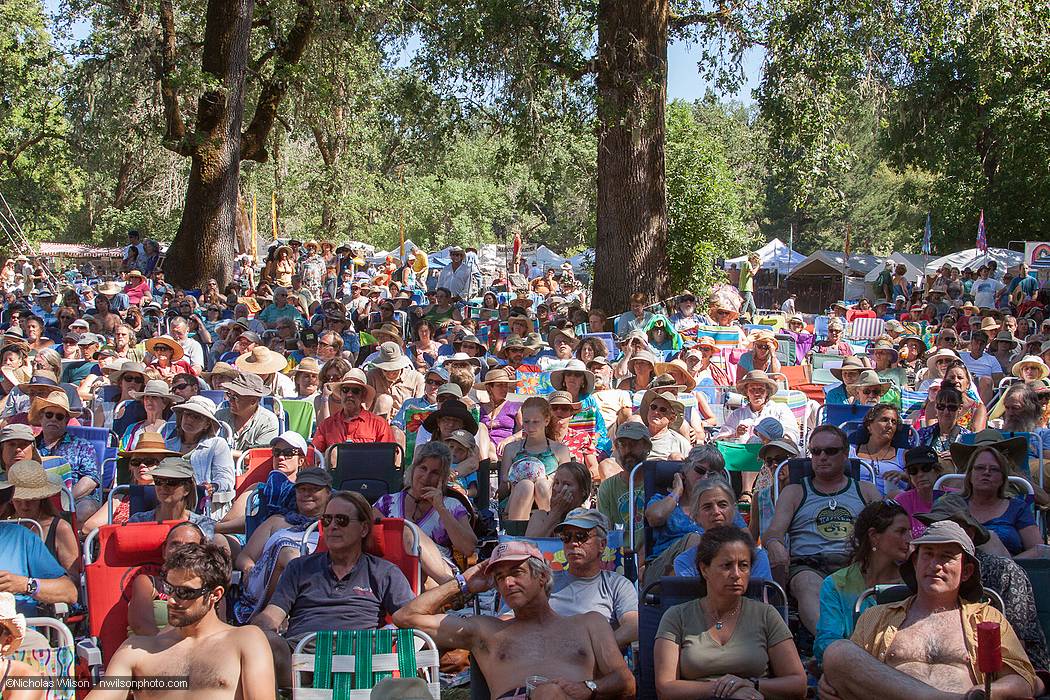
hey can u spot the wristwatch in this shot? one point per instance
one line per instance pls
(462, 584)
(593, 687)
(754, 682)
(32, 586)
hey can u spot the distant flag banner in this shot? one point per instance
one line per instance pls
(927, 238)
(982, 235)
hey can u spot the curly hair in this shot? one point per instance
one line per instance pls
(877, 516)
(206, 560)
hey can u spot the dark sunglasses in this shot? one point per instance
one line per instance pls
(352, 390)
(284, 452)
(167, 482)
(134, 379)
(180, 387)
(577, 537)
(434, 382)
(948, 407)
(829, 451)
(704, 471)
(914, 469)
(872, 392)
(666, 410)
(339, 519)
(184, 592)
(52, 415)
(146, 461)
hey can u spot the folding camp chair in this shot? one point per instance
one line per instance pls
(386, 540)
(672, 590)
(55, 661)
(300, 416)
(1038, 571)
(371, 469)
(346, 665)
(896, 592)
(839, 413)
(102, 441)
(801, 467)
(124, 551)
(905, 437)
(217, 396)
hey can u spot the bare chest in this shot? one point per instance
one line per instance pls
(933, 650)
(210, 665)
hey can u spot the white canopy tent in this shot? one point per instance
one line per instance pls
(774, 254)
(548, 258)
(974, 258)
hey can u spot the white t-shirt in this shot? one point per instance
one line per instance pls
(984, 292)
(984, 366)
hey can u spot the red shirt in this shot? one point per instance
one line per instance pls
(364, 427)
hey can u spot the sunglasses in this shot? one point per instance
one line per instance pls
(143, 461)
(284, 452)
(434, 382)
(339, 519)
(134, 380)
(352, 390)
(950, 407)
(829, 451)
(184, 592)
(704, 471)
(666, 410)
(53, 415)
(166, 482)
(872, 392)
(180, 387)
(916, 468)
(577, 537)
(164, 347)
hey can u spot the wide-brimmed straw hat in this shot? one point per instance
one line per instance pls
(453, 408)
(110, 288)
(391, 357)
(14, 621)
(989, 325)
(500, 375)
(461, 357)
(220, 369)
(763, 336)
(355, 377)
(1031, 360)
(1004, 337)
(30, 481)
(56, 399)
(756, 376)
(388, 330)
(149, 445)
(158, 388)
(558, 376)
(941, 354)
(309, 365)
(166, 341)
(563, 398)
(678, 370)
(568, 333)
(261, 360)
(651, 395)
(887, 346)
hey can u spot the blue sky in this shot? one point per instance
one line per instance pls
(683, 78)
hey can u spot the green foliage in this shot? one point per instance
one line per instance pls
(705, 215)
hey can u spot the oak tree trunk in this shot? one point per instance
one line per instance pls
(631, 246)
(204, 244)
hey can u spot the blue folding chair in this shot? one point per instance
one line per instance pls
(839, 413)
(105, 450)
(906, 436)
(612, 349)
(217, 396)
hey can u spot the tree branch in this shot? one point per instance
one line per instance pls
(9, 157)
(289, 52)
(164, 66)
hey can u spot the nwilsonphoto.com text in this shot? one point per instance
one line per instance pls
(107, 682)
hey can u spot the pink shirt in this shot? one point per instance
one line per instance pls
(913, 504)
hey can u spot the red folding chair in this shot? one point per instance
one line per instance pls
(256, 464)
(386, 541)
(124, 552)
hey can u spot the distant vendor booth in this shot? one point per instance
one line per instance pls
(67, 256)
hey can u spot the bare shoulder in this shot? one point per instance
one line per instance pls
(791, 494)
(869, 491)
(247, 636)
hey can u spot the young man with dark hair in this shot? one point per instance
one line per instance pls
(216, 659)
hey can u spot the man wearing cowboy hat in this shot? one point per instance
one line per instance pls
(51, 413)
(456, 276)
(253, 425)
(232, 662)
(352, 422)
(926, 645)
(535, 637)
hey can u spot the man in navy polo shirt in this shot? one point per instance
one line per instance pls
(341, 589)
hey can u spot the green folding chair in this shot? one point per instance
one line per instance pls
(300, 413)
(740, 458)
(346, 665)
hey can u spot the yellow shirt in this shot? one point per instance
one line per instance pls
(878, 625)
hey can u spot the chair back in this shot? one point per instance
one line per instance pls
(386, 540)
(56, 660)
(839, 413)
(371, 469)
(124, 552)
(300, 416)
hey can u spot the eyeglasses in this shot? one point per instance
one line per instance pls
(284, 452)
(434, 382)
(184, 592)
(339, 519)
(985, 468)
(704, 471)
(134, 379)
(327, 345)
(143, 461)
(577, 537)
(666, 410)
(166, 482)
(877, 391)
(54, 415)
(352, 390)
(829, 451)
(180, 387)
(949, 407)
(914, 469)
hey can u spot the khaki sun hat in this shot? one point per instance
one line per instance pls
(261, 360)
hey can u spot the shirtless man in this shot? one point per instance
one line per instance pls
(925, 647)
(582, 665)
(219, 661)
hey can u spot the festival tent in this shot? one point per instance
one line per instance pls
(974, 258)
(548, 258)
(775, 254)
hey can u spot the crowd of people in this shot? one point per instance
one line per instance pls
(881, 444)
